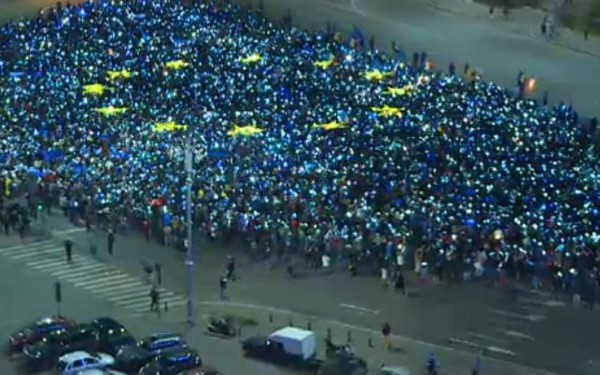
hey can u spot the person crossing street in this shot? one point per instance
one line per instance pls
(69, 250)
(154, 300)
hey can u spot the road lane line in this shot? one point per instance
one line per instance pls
(454, 340)
(512, 315)
(497, 350)
(357, 328)
(359, 308)
(519, 335)
(486, 337)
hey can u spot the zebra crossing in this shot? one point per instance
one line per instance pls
(90, 274)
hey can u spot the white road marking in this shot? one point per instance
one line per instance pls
(66, 274)
(486, 337)
(519, 335)
(111, 278)
(67, 231)
(359, 308)
(34, 254)
(454, 340)
(554, 303)
(107, 291)
(495, 349)
(24, 246)
(27, 249)
(512, 315)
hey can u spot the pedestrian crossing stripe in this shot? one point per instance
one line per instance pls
(23, 246)
(76, 273)
(33, 255)
(116, 289)
(91, 271)
(103, 280)
(106, 281)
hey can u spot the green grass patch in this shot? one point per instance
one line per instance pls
(581, 20)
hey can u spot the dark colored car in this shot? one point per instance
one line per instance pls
(132, 358)
(34, 332)
(202, 371)
(44, 354)
(174, 363)
(264, 349)
(113, 335)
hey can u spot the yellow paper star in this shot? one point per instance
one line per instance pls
(377, 75)
(111, 111)
(114, 75)
(334, 125)
(252, 59)
(170, 126)
(387, 111)
(95, 89)
(177, 64)
(244, 131)
(324, 64)
(399, 91)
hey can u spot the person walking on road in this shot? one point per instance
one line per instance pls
(230, 268)
(69, 250)
(154, 299)
(223, 287)
(386, 330)
(399, 284)
(110, 241)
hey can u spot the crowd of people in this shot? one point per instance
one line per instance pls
(353, 153)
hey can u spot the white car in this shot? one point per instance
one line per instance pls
(100, 372)
(76, 362)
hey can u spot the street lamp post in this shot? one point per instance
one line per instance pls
(189, 261)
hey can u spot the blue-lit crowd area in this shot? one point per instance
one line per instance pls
(303, 144)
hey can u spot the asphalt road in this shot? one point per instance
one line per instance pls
(28, 294)
(535, 331)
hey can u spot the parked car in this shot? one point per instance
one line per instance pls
(202, 371)
(44, 354)
(132, 358)
(76, 362)
(385, 370)
(35, 331)
(100, 372)
(174, 363)
(113, 335)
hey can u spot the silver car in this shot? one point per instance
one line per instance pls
(394, 371)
